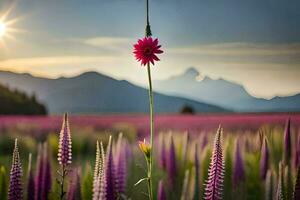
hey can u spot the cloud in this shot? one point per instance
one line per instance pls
(239, 49)
(109, 43)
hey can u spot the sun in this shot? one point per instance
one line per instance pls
(2, 29)
(7, 26)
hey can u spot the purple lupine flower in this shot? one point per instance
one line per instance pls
(280, 193)
(15, 191)
(197, 174)
(46, 178)
(214, 182)
(297, 156)
(269, 189)
(297, 186)
(171, 163)
(163, 153)
(110, 182)
(74, 192)
(161, 195)
(120, 164)
(30, 180)
(98, 191)
(43, 174)
(264, 159)
(239, 169)
(204, 141)
(39, 174)
(287, 143)
(65, 143)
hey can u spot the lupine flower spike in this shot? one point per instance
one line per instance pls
(280, 193)
(64, 153)
(239, 169)
(121, 164)
(287, 143)
(161, 195)
(74, 192)
(214, 183)
(15, 191)
(264, 159)
(269, 188)
(98, 182)
(30, 180)
(171, 163)
(110, 180)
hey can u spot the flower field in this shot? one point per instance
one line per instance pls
(229, 156)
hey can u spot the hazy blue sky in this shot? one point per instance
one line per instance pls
(253, 42)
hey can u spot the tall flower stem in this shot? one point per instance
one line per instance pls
(62, 175)
(150, 165)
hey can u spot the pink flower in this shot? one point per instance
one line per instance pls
(145, 50)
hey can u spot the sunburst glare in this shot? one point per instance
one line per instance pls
(7, 24)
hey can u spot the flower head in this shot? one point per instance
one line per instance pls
(15, 191)
(214, 182)
(145, 148)
(145, 50)
(65, 143)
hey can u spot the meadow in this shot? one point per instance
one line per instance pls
(259, 156)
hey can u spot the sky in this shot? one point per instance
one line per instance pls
(255, 43)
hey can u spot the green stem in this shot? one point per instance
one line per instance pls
(150, 166)
(62, 193)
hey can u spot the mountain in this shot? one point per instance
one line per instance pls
(92, 92)
(223, 93)
(14, 102)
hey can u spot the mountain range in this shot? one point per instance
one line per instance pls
(223, 93)
(92, 92)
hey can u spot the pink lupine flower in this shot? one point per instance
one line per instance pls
(145, 50)
(214, 183)
(15, 191)
(65, 143)
(98, 182)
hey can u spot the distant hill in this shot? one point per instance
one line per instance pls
(92, 92)
(18, 103)
(223, 93)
